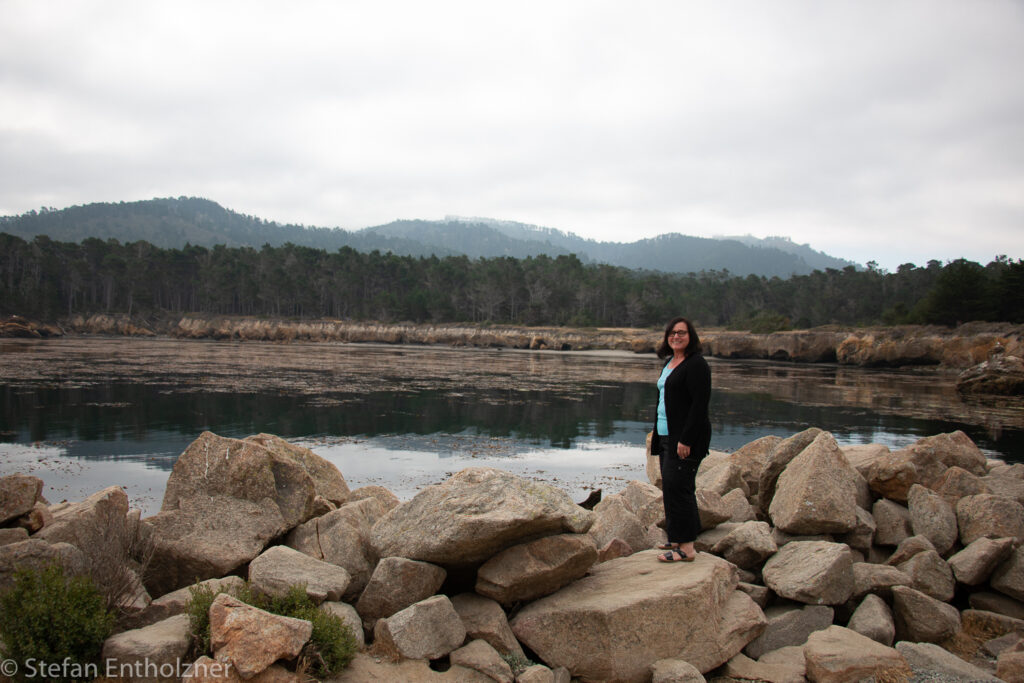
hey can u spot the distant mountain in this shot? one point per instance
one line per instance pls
(172, 223)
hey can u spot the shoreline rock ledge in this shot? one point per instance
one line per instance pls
(816, 562)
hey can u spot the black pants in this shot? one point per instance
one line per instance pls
(679, 491)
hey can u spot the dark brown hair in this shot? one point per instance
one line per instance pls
(665, 351)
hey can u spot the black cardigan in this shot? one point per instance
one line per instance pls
(687, 393)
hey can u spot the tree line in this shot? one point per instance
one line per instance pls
(47, 279)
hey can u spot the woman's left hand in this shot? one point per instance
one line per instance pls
(683, 450)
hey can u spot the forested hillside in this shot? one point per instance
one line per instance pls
(176, 223)
(48, 279)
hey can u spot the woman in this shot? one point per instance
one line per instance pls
(682, 434)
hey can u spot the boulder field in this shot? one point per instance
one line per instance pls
(816, 562)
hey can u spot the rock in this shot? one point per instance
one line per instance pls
(753, 458)
(748, 545)
(531, 570)
(957, 482)
(891, 476)
(213, 466)
(707, 539)
(475, 514)
(989, 515)
(862, 536)
(788, 626)
(279, 568)
(645, 501)
(174, 603)
(812, 572)
(1008, 578)
(209, 538)
(366, 667)
(787, 661)
(98, 526)
(36, 518)
(387, 500)
(675, 671)
(931, 516)
(251, 639)
(877, 579)
(342, 537)
(349, 616)
(928, 659)
(614, 518)
(480, 656)
(713, 511)
(538, 673)
(977, 621)
(327, 479)
(778, 459)
(616, 548)
(740, 510)
(744, 668)
(483, 618)
(862, 457)
(13, 535)
(428, 629)
(998, 603)
(1010, 665)
(781, 538)
(321, 506)
(874, 619)
(1005, 486)
(921, 618)
(892, 522)
(206, 670)
(397, 583)
(974, 564)
(930, 574)
(37, 554)
(759, 594)
(721, 478)
(954, 449)
(839, 654)
(816, 493)
(999, 375)
(18, 493)
(908, 547)
(153, 653)
(614, 623)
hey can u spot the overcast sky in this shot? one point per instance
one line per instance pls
(872, 130)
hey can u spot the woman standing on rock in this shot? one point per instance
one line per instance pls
(682, 434)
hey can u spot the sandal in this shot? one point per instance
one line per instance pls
(670, 556)
(668, 546)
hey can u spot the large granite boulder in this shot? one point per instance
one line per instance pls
(475, 514)
(974, 564)
(748, 545)
(397, 583)
(628, 613)
(18, 494)
(930, 574)
(327, 479)
(931, 516)
(874, 619)
(989, 515)
(530, 570)
(840, 654)
(931, 662)
(279, 568)
(98, 525)
(954, 449)
(428, 629)
(484, 618)
(250, 639)
(817, 492)
(789, 625)
(157, 649)
(921, 618)
(342, 537)
(645, 501)
(956, 482)
(1002, 375)
(891, 475)
(480, 656)
(812, 572)
(36, 554)
(753, 458)
(777, 461)
(1008, 578)
(615, 518)
(892, 522)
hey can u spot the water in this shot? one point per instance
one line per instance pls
(86, 413)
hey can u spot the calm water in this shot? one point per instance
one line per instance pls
(87, 413)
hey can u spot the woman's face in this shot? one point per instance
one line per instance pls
(679, 337)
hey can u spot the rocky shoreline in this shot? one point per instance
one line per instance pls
(817, 562)
(952, 348)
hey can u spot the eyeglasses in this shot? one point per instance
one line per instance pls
(674, 333)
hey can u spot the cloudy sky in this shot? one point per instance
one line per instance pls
(873, 130)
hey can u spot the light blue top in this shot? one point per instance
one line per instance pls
(662, 415)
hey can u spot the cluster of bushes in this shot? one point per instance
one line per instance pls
(48, 618)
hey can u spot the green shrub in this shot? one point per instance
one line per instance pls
(330, 648)
(46, 617)
(518, 663)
